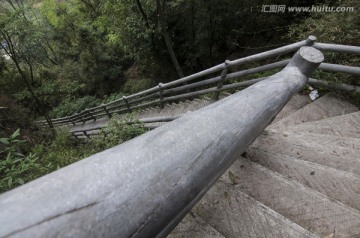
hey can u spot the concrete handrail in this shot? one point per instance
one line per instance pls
(144, 187)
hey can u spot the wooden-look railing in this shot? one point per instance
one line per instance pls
(145, 186)
(176, 90)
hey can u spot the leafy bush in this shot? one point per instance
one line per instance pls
(70, 106)
(15, 168)
(116, 132)
(137, 85)
(62, 151)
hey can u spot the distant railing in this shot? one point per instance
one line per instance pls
(145, 186)
(176, 90)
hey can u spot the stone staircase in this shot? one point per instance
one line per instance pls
(300, 178)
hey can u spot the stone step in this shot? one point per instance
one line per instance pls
(235, 214)
(298, 149)
(336, 184)
(296, 102)
(346, 125)
(334, 145)
(330, 105)
(310, 209)
(194, 226)
(181, 108)
(199, 103)
(151, 112)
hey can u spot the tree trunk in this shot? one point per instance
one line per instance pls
(147, 24)
(167, 39)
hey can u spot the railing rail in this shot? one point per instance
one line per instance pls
(176, 90)
(144, 187)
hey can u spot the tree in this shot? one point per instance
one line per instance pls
(24, 48)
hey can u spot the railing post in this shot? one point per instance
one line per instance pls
(107, 112)
(222, 78)
(127, 103)
(69, 119)
(88, 111)
(161, 95)
(79, 116)
(86, 134)
(310, 40)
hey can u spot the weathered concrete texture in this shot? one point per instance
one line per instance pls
(235, 214)
(283, 145)
(310, 209)
(345, 125)
(333, 145)
(194, 226)
(337, 184)
(297, 102)
(327, 106)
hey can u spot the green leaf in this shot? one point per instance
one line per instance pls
(10, 182)
(19, 154)
(20, 181)
(16, 133)
(4, 141)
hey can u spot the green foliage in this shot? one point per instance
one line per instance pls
(267, 73)
(63, 151)
(69, 106)
(15, 168)
(137, 85)
(334, 27)
(116, 132)
(74, 49)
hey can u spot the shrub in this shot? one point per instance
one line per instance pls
(117, 131)
(15, 168)
(137, 85)
(71, 106)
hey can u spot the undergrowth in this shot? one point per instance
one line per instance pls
(70, 106)
(17, 168)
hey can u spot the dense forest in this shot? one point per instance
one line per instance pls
(59, 57)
